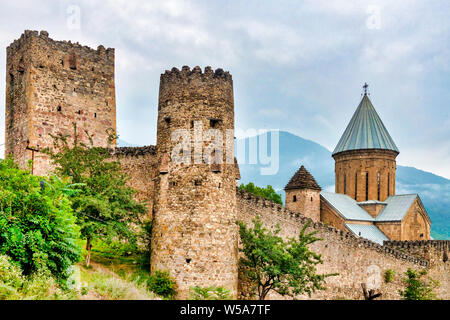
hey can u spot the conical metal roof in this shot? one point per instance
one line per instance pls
(365, 131)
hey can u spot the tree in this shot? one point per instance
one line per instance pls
(272, 264)
(267, 192)
(418, 288)
(105, 205)
(37, 224)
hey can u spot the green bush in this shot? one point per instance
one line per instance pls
(267, 192)
(37, 224)
(389, 275)
(210, 293)
(161, 283)
(40, 286)
(418, 288)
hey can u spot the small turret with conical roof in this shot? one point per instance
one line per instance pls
(303, 194)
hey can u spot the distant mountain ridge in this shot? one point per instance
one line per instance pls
(295, 151)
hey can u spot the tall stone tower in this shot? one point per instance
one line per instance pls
(195, 236)
(49, 86)
(365, 157)
(303, 194)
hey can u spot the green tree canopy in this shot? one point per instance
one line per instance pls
(105, 206)
(37, 224)
(267, 192)
(272, 264)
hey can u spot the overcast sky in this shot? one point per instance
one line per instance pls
(297, 65)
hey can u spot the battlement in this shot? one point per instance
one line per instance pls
(186, 73)
(324, 231)
(134, 151)
(43, 36)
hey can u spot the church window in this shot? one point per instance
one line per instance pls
(388, 183)
(378, 186)
(59, 109)
(367, 186)
(356, 185)
(345, 183)
(294, 199)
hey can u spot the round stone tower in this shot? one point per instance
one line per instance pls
(195, 236)
(365, 157)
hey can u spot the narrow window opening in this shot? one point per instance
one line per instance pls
(214, 123)
(356, 185)
(388, 184)
(192, 124)
(311, 199)
(79, 111)
(367, 186)
(378, 186)
(95, 115)
(167, 120)
(59, 109)
(188, 260)
(294, 199)
(345, 183)
(197, 183)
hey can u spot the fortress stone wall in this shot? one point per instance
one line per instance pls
(355, 259)
(140, 164)
(49, 86)
(52, 84)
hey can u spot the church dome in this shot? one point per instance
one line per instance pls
(365, 131)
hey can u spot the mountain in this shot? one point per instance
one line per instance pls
(295, 151)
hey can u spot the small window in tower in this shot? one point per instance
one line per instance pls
(294, 199)
(214, 123)
(59, 109)
(79, 111)
(356, 185)
(95, 115)
(167, 120)
(197, 182)
(73, 61)
(192, 124)
(188, 260)
(421, 235)
(311, 199)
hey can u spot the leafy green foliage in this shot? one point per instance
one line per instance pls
(37, 224)
(105, 205)
(272, 264)
(39, 286)
(267, 192)
(210, 293)
(161, 283)
(418, 288)
(389, 275)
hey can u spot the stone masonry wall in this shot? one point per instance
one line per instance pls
(355, 164)
(357, 260)
(51, 85)
(194, 231)
(307, 202)
(140, 164)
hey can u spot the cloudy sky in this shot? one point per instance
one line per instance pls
(296, 65)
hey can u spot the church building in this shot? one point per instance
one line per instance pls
(364, 201)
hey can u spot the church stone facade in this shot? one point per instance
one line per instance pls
(365, 202)
(194, 205)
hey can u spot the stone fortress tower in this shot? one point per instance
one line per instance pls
(49, 86)
(303, 194)
(195, 235)
(365, 157)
